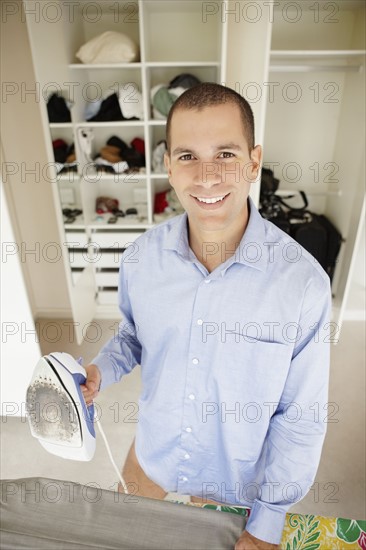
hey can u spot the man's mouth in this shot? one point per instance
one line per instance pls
(211, 200)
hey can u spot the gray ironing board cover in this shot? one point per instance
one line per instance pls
(43, 513)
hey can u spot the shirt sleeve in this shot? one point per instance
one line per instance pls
(297, 428)
(123, 351)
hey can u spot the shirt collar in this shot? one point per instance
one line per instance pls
(177, 238)
(251, 251)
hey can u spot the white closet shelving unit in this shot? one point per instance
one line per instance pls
(172, 38)
(305, 59)
(315, 118)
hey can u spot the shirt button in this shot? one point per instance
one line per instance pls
(191, 396)
(184, 478)
(188, 429)
(199, 322)
(195, 361)
(187, 455)
(207, 281)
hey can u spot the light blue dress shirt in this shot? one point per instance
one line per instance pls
(234, 366)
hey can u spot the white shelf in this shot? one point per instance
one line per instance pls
(157, 122)
(152, 64)
(86, 66)
(104, 226)
(157, 176)
(110, 124)
(315, 53)
(71, 227)
(60, 125)
(129, 177)
(321, 60)
(120, 224)
(285, 192)
(68, 177)
(157, 64)
(315, 68)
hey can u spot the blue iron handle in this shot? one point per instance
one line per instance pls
(88, 411)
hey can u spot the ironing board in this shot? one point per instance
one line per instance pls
(43, 513)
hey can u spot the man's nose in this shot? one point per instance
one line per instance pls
(209, 173)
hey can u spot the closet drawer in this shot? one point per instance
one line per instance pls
(106, 278)
(75, 239)
(108, 259)
(78, 259)
(108, 297)
(114, 240)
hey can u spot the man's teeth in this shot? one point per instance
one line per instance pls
(211, 201)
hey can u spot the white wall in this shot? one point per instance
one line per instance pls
(29, 192)
(20, 350)
(355, 309)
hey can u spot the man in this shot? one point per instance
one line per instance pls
(227, 316)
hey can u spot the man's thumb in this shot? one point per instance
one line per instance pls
(91, 384)
(93, 378)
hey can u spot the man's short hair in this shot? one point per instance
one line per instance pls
(207, 94)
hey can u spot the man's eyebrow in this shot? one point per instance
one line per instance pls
(230, 145)
(186, 150)
(180, 150)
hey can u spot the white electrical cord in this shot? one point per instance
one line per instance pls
(110, 455)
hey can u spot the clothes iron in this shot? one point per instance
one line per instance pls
(58, 415)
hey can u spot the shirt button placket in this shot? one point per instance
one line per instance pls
(189, 407)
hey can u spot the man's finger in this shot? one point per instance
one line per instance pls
(90, 388)
(91, 385)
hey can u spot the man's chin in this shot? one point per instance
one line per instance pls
(209, 221)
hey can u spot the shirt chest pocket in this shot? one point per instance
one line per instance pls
(254, 370)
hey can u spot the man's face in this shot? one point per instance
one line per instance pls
(210, 166)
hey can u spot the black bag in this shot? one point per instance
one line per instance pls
(334, 243)
(313, 237)
(314, 232)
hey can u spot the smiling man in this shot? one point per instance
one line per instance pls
(211, 162)
(228, 318)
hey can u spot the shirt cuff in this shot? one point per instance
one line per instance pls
(106, 369)
(266, 522)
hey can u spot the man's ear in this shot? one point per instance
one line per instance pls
(256, 158)
(168, 166)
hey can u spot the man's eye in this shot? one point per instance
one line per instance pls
(187, 156)
(226, 155)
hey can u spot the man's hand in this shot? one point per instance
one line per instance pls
(91, 387)
(249, 542)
